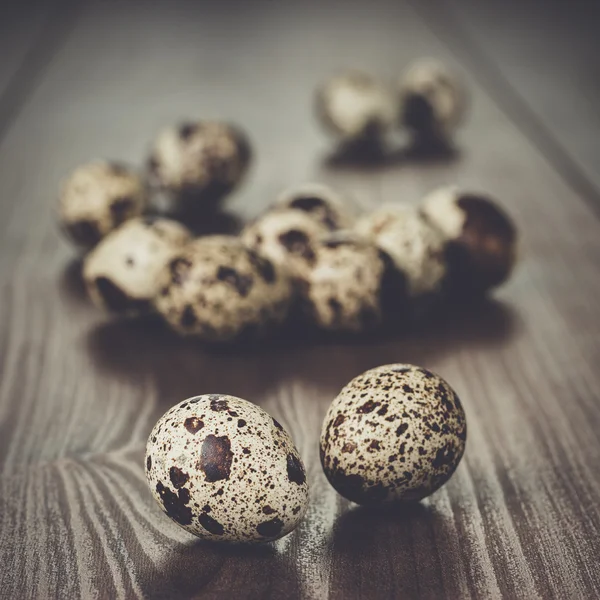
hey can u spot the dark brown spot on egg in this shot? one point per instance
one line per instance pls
(277, 424)
(297, 242)
(187, 130)
(242, 283)
(121, 208)
(268, 510)
(148, 462)
(295, 470)
(270, 528)
(367, 407)
(216, 457)
(178, 477)
(444, 456)
(175, 505)
(339, 420)
(179, 268)
(218, 404)
(307, 203)
(193, 424)
(348, 447)
(374, 445)
(211, 525)
(401, 429)
(264, 266)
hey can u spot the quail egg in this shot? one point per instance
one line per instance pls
(319, 201)
(354, 106)
(218, 290)
(121, 272)
(396, 432)
(98, 197)
(224, 469)
(201, 160)
(432, 100)
(481, 238)
(349, 287)
(287, 238)
(416, 247)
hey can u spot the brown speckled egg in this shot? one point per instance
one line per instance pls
(481, 238)
(396, 432)
(354, 106)
(319, 201)
(217, 289)
(432, 100)
(122, 272)
(200, 160)
(224, 469)
(415, 246)
(349, 287)
(98, 197)
(287, 238)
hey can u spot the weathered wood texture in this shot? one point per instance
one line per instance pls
(79, 393)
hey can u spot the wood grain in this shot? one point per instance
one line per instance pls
(79, 393)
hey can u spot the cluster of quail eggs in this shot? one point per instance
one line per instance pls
(308, 257)
(429, 101)
(225, 470)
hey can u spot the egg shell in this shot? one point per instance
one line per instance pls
(416, 248)
(288, 238)
(433, 101)
(396, 432)
(224, 469)
(201, 160)
(98, 197)
(122, 272)
(321, 202)
(355, 106)
(217, 289)
(481, 238)
(345, 288)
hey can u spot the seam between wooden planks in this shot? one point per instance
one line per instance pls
(446, 26)
(53, 31)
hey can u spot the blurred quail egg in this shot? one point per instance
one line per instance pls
(202, 161)
(287, 238)
(218, 290)
(396, 432)
(432, 100)
(121, 272)
(354, 106)
(98, 197)
(416, 247)
(319, 201)
(481, 238)
(349, 287)
(224, 469)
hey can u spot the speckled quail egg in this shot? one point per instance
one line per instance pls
(432, 100)
(354, 106)
(217, 289)
(201, 160)
(224, 469)
(481, 238)
(121, 272)
(396, 432)
(415, 246)
(349, 287)
(287, 238)
(319, 201)
(98, 197)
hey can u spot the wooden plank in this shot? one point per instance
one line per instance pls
(79, 394)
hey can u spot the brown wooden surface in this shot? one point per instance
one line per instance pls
(79, 393)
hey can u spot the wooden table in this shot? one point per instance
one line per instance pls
(79, 393)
